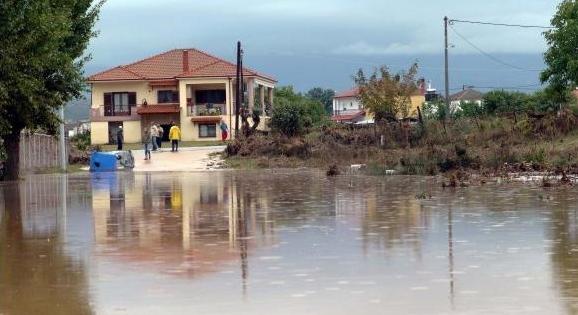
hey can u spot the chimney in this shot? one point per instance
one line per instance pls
(421, 86)
(185, 60)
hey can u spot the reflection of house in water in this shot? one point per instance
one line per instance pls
(182, 223)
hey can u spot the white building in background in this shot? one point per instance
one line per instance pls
(77, 128)
(347, 101)
(467, 95)
(347, 107)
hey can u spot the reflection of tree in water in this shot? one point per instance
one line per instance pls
(564, 233)
(36, 277)
(391, 220)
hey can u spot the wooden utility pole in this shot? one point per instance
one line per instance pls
(238, 89)
(242, 81)
(447, 74)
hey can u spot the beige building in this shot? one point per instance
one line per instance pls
(186, 86)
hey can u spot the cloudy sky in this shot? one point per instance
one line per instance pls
(322, 42)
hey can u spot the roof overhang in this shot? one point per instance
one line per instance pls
(114, 81)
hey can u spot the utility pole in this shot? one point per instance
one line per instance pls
(242, 81)
(447, 74)
(238, 89)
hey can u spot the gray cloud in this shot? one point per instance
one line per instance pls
(133, 29)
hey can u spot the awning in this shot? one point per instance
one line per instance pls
(206, 119)
(158, 109)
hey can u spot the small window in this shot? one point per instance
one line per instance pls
(208, 131)
(168, 96)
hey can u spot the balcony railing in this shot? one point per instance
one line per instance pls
(206, 110)
(110, 113)
(111, 110)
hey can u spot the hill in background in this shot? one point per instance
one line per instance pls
(77, 110)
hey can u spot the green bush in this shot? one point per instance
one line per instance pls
(293, 112)
(81, 141)
(286, 118)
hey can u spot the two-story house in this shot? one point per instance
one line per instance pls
(187, 86)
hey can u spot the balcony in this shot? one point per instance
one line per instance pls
(206, 110)
(106, 113)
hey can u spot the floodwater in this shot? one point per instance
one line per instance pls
(284, 242)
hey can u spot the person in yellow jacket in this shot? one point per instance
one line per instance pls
(175, 136)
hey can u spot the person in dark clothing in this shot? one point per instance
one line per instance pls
(160, 137)
(119, 139)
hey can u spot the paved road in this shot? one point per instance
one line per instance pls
(187, 159)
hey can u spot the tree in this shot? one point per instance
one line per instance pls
(293, 112)
(561, 59)
(41, 59)
(387, 95)
(324, 96)
(505, 102)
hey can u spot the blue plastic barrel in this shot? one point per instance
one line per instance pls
(103, 162)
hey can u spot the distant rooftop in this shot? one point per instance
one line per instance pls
(349, 93)
(468, 95)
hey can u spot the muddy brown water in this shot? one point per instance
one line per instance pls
(284, 242)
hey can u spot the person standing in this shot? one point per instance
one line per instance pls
(147, 142)
(224, 130)
(175, 136)
(154, 134)
(119, 138)
(161, 132)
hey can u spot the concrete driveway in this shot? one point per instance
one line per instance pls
(187, 159)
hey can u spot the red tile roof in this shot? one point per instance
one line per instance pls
(349, 93)
(169, 65)
(348, 116)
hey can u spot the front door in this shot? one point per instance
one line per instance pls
(113, 128)
(166, 129)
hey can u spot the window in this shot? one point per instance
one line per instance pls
(119, 102)
(207, 131)
(210, 97)
(168, 96)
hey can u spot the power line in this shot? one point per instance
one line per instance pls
(501, 24)
(495, 59)
(530, 87)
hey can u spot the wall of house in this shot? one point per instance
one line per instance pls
(132, 131)
(346, 103)
(456, 105)
(98, 133)
(416, 100)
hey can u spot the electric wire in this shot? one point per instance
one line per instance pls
(500, 24)
(495, 59)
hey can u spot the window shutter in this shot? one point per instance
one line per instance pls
(107, 99)
(132, 98)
